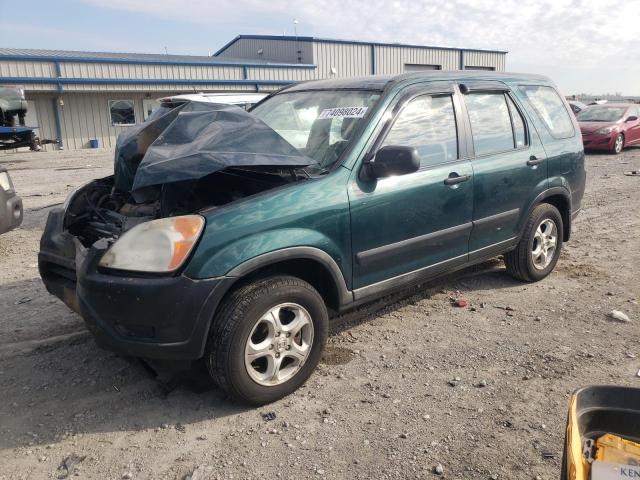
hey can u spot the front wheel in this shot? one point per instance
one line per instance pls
(267, 339)
(618, 144)
(539, 248)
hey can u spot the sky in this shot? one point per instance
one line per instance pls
(585, 46)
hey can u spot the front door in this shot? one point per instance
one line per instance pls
(633, 128)
(509, 166)
(406, 226)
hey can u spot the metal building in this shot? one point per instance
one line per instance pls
(74, 97)
(346, 58)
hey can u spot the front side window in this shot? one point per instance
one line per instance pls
(122, 112)
(550, 108)
(427, 123)
(490, 122)
(319, 123)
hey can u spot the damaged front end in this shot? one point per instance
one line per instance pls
(114, 252)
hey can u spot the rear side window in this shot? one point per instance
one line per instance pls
(519, 131)
(490, 122)
(427, 123)
(550, 108)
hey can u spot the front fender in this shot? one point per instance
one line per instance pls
(233, 255)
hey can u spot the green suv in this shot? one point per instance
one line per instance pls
(234, 237)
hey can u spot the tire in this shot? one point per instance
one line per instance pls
(618, 145)
(526, 261)
(245, 326)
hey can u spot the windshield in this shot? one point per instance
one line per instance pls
(321, 123)
(601, 114)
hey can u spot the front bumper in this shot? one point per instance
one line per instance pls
(151, 317)
(595, 141)
(10, 210)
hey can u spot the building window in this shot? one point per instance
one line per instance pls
(418, 67)
(122, 112)
(472, 67)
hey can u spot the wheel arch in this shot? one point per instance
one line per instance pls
(560, 198)
(310, 264)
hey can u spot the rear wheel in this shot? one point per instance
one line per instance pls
(618, 144)
(539, 248)
(267, 339)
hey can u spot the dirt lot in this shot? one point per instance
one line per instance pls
(384, 403)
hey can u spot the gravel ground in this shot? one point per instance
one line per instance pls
(408, 385)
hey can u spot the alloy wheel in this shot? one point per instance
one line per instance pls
(279, 344)
(545, 242)
(619, 144)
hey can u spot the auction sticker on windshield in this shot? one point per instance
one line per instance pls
(343, 112)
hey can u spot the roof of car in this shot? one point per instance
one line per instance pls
(379, 82)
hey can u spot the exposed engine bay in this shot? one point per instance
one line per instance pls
(100, 211)
(185, 159)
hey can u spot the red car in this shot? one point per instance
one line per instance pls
(610, 127)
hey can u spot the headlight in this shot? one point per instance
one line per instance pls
(605, 130)
(72, 195)
(158, 246)
(5, 181)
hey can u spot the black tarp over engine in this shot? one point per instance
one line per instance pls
(196, 139)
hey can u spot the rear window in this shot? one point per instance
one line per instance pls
(550, 108)
(490, 122)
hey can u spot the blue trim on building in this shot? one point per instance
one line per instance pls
(228, 44)
(58, 123)
(58, 71)
(346, 42)
(213, 63)
(139, 81)
(462, 60)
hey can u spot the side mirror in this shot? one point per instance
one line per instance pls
(632, 118)
(392, 160)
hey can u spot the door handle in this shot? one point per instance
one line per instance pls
(454, 178)
(533, 161)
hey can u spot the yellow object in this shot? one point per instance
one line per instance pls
(577, 466)
(613, 449)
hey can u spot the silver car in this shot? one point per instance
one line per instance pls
(10, 204)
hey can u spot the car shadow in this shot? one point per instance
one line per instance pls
(61, 383)
(489, 275)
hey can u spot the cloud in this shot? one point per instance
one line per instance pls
(541, 35)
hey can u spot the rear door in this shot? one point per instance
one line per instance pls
(407, 226)
(508, 165)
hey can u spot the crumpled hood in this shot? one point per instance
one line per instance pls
(197, 139)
